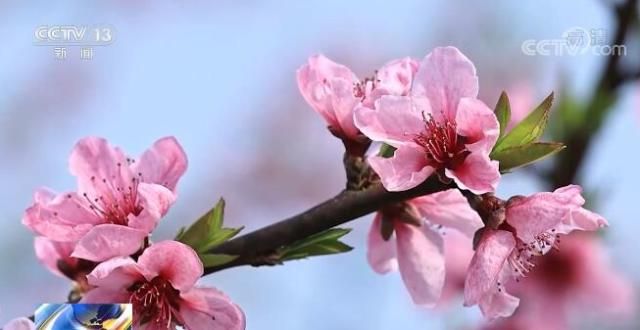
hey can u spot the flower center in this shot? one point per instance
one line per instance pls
(363, 87)
(117, 202)
(442, 145)
(155, 302)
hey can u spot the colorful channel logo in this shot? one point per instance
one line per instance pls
(84, 316)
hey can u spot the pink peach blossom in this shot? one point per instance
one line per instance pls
(532, 228)
(333, 91)
(568, 281)
(440, 127)
(118, 203)
(161, 287)
(21, 323)
(417, 247)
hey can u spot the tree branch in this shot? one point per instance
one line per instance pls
(256, 247)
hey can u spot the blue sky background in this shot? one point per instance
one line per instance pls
(221, 78)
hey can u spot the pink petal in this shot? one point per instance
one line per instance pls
(109, 240)
(99, 167)
(210, 309)
(50, 252)
(405, 170)
(394, 121)
(582, 219)
(536, 214)
(65, 217)
(477, 173)
(164, 163)
(421, 262)
(579, 218)
(21, 323)
(498, 304)
(394, 78)
(173, 261)
(450, 209)
(116, 274)
(381, 254)
(155, 201)
(343, 103)
(315, 81)
(105, 296)
(478, 124)
(444, 77)
(493, 250)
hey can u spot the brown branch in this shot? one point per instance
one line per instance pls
(568, 164)
(256, 248)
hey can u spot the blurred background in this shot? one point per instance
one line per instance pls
(220, 76)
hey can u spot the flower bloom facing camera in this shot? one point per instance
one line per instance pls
(161, 287)
(440, 127)
(532, 228)
(118, 203)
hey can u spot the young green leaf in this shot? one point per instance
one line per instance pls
(529, 129)
(208, 231)
(213, 260)
(326, 242)
(503, 112)
(526, 154)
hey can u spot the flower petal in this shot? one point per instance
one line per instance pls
(116, 274)
(99, 167)
(498, 304)
(106, 241)
(173, 261)
(477, 173)
(315, 84)
(394, 78)
(381, 254)
(210, 309)
(155, 201)
(445, 76)
(405, 170)
(478, 124)
(494, 248)
(450, 209)
(537, 214)
(49, 253)
(395, 120)
(164, 163)
(421, 262)
(343, 103)
(65, 217)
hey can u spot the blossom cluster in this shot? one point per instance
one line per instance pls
(99, 237)
(428, 111)
(425, 112)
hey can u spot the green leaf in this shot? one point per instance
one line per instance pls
(386, 151)
(523, 155)
(529, 129)
(213, 260)
(221, 236)
(503, 112)
(324, 243)
(208, 231)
